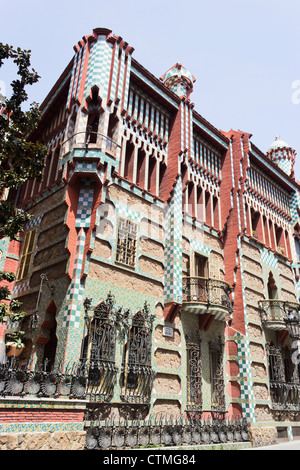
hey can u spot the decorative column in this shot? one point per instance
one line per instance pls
(173, 254)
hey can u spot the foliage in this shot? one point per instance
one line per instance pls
(20, 158)
(16, 339)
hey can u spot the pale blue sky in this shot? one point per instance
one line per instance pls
(244, 54)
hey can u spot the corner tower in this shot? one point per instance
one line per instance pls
(283, 155)
(179, 80)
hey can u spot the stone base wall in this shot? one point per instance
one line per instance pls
(263, 436)
(56, 440)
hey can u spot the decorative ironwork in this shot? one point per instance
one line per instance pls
(96, 369)
(207, 291)
(194, 374)
(34, 318)
(162, 430)
(284, 380)
(279, 311)
(126, 242)
(217, 376)
(137, 374)
(103, 141)
(38, 381)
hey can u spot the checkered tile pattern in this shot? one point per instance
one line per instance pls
(22, 287)
(85, 202)
(173, 248)
(267, 257)
(4, 243)
(74, 297)
(245, 378)
(99, 66)
(33, 223)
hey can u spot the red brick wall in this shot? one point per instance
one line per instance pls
(11, 415)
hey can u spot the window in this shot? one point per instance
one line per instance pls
(136, 378)
(297, 246)
(216, 376)
(201, 266)
(194, 375)
(284, 378)
(126, 242)
(98, 352)
(27, 255)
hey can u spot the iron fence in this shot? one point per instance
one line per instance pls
(85, 380)
(162, 430)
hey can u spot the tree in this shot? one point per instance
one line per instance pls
(20, 159)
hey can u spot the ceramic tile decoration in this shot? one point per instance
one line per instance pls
(214, 251)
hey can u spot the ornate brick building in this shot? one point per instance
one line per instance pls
(159, 272)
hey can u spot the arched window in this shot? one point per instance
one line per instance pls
(275, 310)
(272, 288)
(98, 352)
(93, 110)
(112, 132)
(129, 160)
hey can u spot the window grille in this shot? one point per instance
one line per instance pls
(217, 376)
(126, 242)
(98, 353)
(137, 374)
(194, 375)
(284, 379)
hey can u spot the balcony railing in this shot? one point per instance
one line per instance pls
(212, 293)
(136, 383)
(285, 396)
(84, 380)
(89, 140)
(275, 312)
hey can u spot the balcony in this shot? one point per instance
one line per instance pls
(203, 296)
(279, 314)
(91, 140)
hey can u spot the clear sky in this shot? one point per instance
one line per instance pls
(244, 54)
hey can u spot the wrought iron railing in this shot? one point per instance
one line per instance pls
(284, 379)
(275, 310)
(163, 431)
(98, 140)
(84, 380)
(207, 291)
(218, 394)
(98, 379)
(136, 383)
(285, 396)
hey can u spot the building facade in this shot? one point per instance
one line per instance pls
(161, 263)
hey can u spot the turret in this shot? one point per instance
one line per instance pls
(179, 80)
(283, 155)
